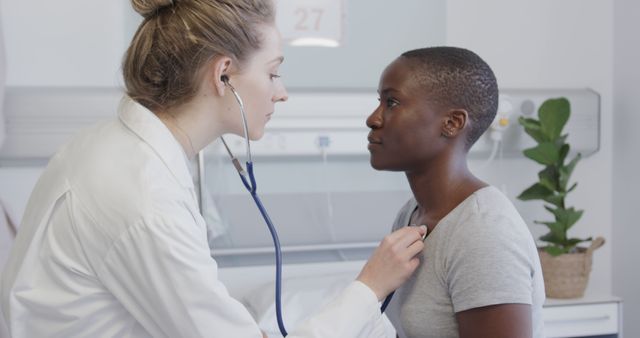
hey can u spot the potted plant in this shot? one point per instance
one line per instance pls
(566, 266)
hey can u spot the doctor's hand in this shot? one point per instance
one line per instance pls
(394, 261)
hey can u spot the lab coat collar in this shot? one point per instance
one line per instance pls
(151, 130)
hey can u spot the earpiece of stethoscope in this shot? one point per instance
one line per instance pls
(245, 128)
(249, 181)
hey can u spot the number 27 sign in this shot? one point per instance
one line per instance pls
(311, 22)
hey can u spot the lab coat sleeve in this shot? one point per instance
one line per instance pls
(354, 313)
(161, 272)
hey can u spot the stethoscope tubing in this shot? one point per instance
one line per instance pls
(386, 302)
(252, 187)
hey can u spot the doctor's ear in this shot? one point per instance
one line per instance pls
(220, 67)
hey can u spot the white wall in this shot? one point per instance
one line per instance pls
(80, 50)
(626, 275)
(550, 44)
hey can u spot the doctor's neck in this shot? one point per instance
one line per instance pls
(180, 135)
(193, 125)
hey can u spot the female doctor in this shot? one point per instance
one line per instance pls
(112, 243)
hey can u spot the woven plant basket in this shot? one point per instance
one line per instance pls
(566, 276)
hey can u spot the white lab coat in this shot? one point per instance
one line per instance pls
(112, 244)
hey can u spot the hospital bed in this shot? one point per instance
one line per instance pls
(306, 288)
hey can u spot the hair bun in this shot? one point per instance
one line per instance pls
(148, 8)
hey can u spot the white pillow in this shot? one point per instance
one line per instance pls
(301, 297)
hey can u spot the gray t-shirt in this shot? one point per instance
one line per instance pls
(480, 254)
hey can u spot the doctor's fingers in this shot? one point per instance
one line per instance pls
(414, 249)
(409, 253)
(406, 236)
(401, 247)
(408, 257)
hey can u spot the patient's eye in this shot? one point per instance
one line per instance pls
(391, 102)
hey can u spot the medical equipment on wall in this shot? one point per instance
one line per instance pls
(324, 141)
(496, 130)
(295, 131)
(249, 181)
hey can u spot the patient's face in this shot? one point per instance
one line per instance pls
(406, 125)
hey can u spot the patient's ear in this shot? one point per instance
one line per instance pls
(454, 122)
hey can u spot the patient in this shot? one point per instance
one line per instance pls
(480, 275)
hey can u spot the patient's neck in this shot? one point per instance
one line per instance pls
(441, 186)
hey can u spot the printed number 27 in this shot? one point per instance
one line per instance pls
(306, 18)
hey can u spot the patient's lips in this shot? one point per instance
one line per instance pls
(373, 142)
(372, 139)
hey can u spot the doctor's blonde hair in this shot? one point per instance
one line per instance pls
(161, 67)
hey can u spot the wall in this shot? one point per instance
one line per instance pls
(78, 50)
(550, 44)
(371, 41)
(626, 165)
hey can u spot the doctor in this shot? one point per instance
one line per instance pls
(112, 243)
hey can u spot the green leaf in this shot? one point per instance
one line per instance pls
(566, 171)
(532, 127)
(564, 151)
(535, 192)
(529, 122)
(561, 140)
(572, 187)
(550, 209)
(573, 163)
(548, 177)
(566, 217)
(555, 250)
(572, 216)
(557, 230)
(544, 153)
(554, 114)
(556, 199)
(552, 238)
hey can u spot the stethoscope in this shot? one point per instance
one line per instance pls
(249, 181)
